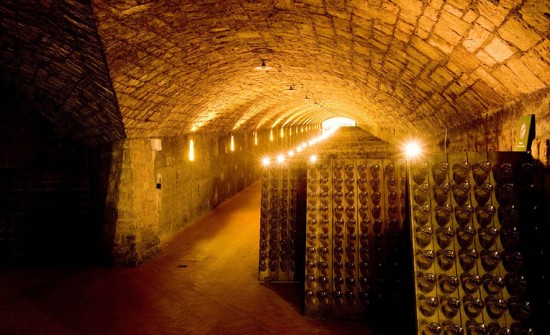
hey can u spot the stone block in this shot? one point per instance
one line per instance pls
(451, 28)
(496, 12)
(464, 60)
(461, 4)
(470, 16)
(526, 76)
(456, 89)
(412, 70)
(324, 32)
(509, 80)
(342, 26)
(458, 12)
(392, 68)
(440, 44)
(384, 15)
(498, 50)
(476, 38)
(486, 93)
(482, 74)
(426, 49)
(405, 27)
(431, 12)
(425, 23)
(436, 100)
(384, 28)
(453, 68)
(442, 76)
(361, 32)
(410, 8)
(424, 86)
(336, 11)
(483, 22)
(534, 13)
(396, 54)
(537, 65)
(517, 33)
(361, 49)
(401, 36)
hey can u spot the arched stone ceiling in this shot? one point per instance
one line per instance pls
(186, 66)
(52, 65)
(103, 70)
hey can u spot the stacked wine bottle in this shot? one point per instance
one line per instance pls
(353, 208)
(466, 240)
(279, 234)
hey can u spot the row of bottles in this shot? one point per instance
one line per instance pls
(466, 232)
(279, 231)
(354, 210)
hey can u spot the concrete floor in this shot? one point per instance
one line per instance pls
(204, 282)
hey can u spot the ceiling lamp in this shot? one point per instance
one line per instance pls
(263, 67)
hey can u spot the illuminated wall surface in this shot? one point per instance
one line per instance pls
(472, 249)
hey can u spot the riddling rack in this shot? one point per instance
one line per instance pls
(336, 225)
(354, 225)
(471, 227)
(281, 224)
(472, 214)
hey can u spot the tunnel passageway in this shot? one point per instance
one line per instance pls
(204, 282)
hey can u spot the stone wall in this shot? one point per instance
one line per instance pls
(50, 209)
(153, 194)
(497, 130)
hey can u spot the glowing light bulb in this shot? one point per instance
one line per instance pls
(232, 146)
(313, 158)
(266, 161)
(280, 158)
(291, 153)
(191, 150)
(412, 149)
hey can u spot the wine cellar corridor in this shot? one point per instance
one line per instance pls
(275, 167)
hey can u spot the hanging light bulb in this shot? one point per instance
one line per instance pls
(263, 67)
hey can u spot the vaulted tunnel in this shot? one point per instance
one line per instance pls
(101, 100)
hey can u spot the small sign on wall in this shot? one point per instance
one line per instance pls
(525, 133)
